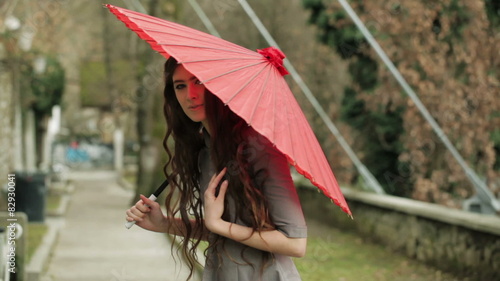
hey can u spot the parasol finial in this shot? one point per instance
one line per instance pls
(275, 56)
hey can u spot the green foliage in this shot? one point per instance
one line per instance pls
(346, 40)
(93, 81)
(36, 232)
(47, 87)
(418, 67)
(460, 72)
(353, 110)
(493, 12)
(315, 6)
(334, 254)
(364, 71)
(93, 84)
(495, 137)
(460, 19)
(380, 128)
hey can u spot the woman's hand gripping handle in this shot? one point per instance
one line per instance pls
(146, 213)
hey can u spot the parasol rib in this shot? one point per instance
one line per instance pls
(243, 86)
(199, 47)
(217, 59)
(261, 93)
(174, 26)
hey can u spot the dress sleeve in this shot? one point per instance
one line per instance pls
(278, 187)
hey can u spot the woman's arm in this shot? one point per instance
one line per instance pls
(148, 215)
(272, 241)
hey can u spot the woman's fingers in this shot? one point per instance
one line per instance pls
(217, 177)
(142, 205)
(134, 215)
(148, 202)
(223, 189)
(214, 182)
(214, 203)
(139, 210)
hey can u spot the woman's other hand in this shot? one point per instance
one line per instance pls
(214, 204)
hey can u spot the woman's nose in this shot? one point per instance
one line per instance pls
(193, 92)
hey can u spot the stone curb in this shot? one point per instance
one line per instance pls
(39, 261)
(40, 258)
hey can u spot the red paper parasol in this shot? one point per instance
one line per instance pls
(250, 83)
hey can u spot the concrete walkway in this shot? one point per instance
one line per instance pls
(94, 244)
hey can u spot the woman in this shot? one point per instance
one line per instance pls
(229, 186)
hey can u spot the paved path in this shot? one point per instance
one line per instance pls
(94, 244)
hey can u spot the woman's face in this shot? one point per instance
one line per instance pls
(190, 93)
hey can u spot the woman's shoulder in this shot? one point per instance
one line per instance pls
(255, 139)
(259, 145)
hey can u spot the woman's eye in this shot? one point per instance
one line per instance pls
(179, 86)
(198, 82)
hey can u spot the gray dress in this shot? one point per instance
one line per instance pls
(238, 262)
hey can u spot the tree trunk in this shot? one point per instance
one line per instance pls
(118, 138)
(8, 134)
(29, 141)
(147, 161)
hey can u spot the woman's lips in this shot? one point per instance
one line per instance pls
(195, 107)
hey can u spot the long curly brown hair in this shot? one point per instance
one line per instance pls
(228, 148)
